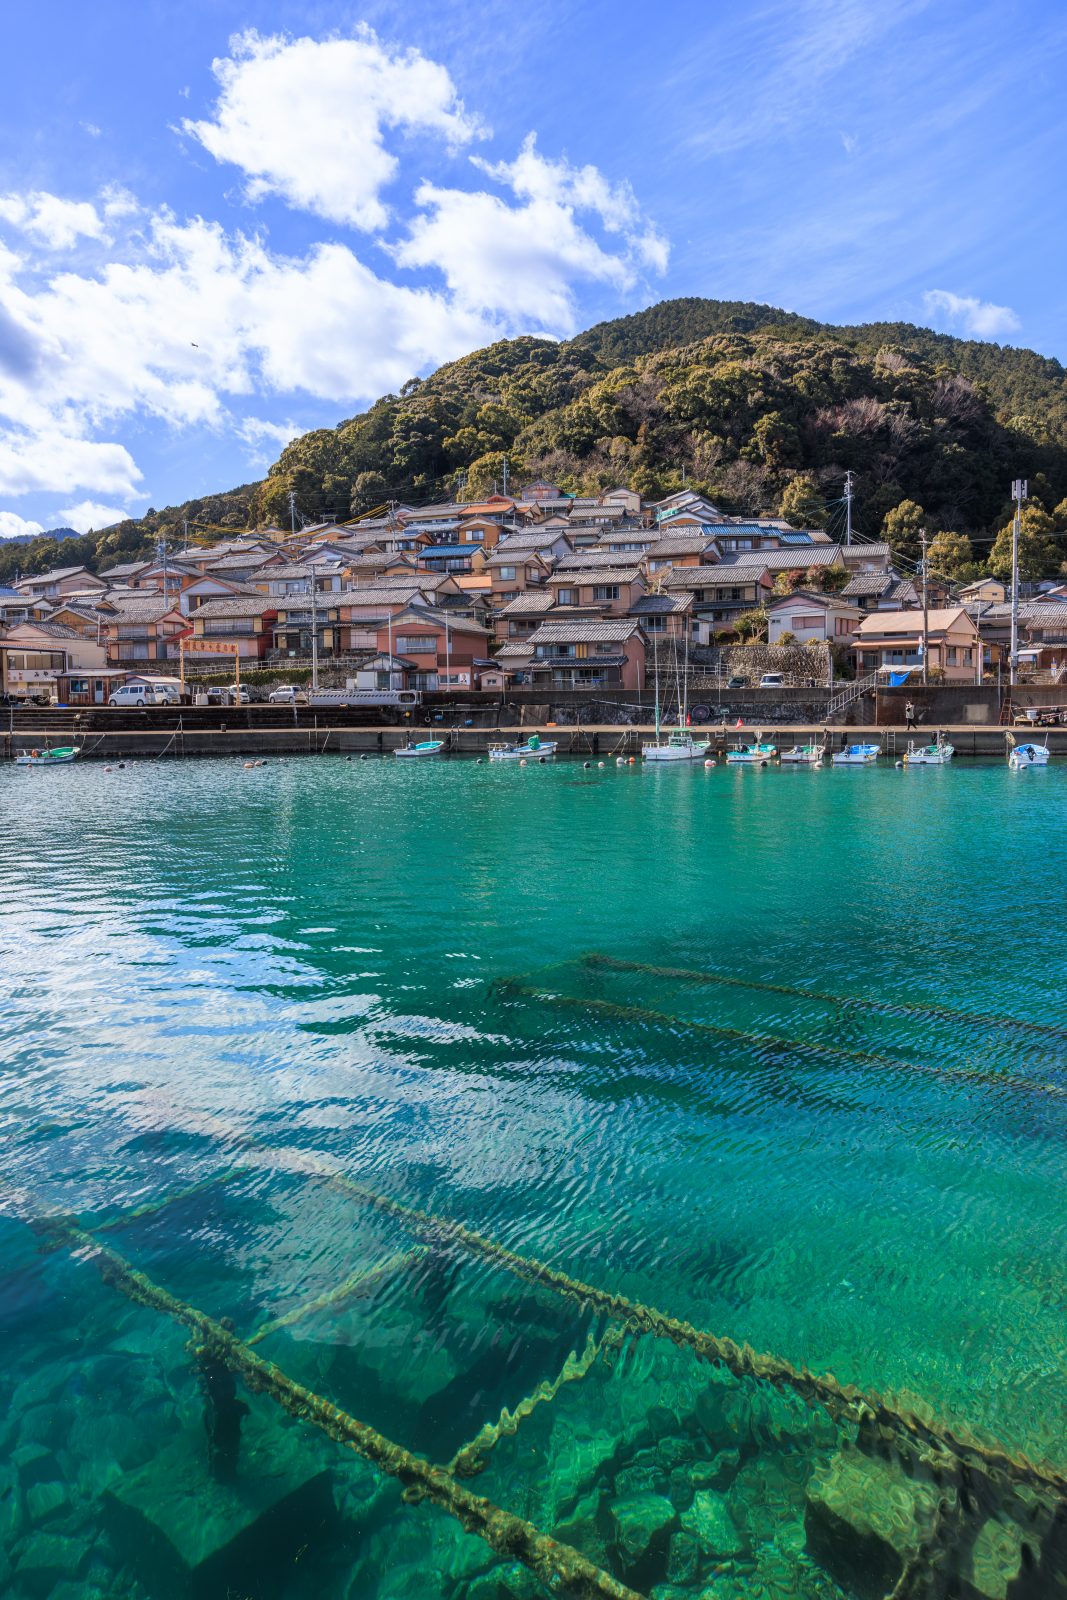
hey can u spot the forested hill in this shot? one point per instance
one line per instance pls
(752, 404)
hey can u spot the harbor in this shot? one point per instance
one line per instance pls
(662, 1330)
(325, 736)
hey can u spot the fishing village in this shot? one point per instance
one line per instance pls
(604, 627)
(533, 770)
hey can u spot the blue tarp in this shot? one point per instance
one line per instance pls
(897, 678)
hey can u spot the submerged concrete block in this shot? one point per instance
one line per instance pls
(865, 1518)
(189, 1537)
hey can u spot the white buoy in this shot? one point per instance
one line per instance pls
(600, 765)
(709, 762)
(522, 763)
(898, 763)
(620, 761)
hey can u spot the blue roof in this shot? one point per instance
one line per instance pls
(446, 550)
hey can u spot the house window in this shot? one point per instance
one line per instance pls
(416, 644)
(809, 621)
(843, 625)
(605, 591)
(654, 624)
(506, 574)
(566, 597)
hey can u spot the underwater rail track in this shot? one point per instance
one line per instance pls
(557, 1565)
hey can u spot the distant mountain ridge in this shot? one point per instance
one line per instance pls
(735, 398)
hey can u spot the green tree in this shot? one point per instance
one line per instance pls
(751, 626)
(802, 505)
(950, 556)
(1039, 556)
(901, 529)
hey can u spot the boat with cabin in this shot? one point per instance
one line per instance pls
(676, 744)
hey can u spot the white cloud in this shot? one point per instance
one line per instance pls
(92, 129)
(56, 222)
(48, 460)
(257, 431)
(12, 526)
(89, 514)
(304, 119)
(970, 315)
(522, 261)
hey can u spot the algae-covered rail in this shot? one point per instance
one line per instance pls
(968, 1472)
(557, 1565)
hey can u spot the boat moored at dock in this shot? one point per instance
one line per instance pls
(856, 755)
(535, 749)
(756, 754)
(425, 747)
(679, 746)
(807, 755)
(59, 757)
(938, 754)
(1023, 756)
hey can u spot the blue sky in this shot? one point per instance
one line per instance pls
(221, 223)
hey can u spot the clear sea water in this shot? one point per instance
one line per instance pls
(215, 973)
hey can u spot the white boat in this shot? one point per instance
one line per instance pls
(677, 744)
(425, 747)
(856, 755)
(535, 749)
(48, 758)
(757, 754)
(938, 754)
(1022, 756)
(809, 755)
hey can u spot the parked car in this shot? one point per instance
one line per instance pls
(237, 694)
(287, 694)
(144, 694)
(738, 681)
(772, 680)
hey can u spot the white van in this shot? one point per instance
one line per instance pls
(145, 694)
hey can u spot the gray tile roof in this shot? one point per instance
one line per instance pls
(870, 583)
(799, 556)
(659, 605)
(531, 604)
(593, 629)
(253, 605)
(582, 577)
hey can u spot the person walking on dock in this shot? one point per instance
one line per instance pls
(909, 715)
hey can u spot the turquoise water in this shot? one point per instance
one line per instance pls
(384, 970)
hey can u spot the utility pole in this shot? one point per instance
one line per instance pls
(161, 555)
(1019, 493)
(926, 617)
(314, 634)
(292, 510)
(848, 506)
(505, 474)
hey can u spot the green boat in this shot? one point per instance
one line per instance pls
(48, 758)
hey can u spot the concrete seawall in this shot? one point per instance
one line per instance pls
(597, 741)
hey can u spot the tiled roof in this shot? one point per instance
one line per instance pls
(786, 560)
(680, 544)
(658, 605)
(593, 629)
(870, 583)
(253, 605)
(54, 630)
(582, 577)
(532, 538)
(57, 574)
(138, 606)
(531, 604)
(586, 560)
(705, 577)
(514, 650)
(876, 623)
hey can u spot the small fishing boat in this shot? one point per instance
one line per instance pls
(808, 755)
(1022, 756)
(678, 746)
(59, 757)
(756, 754)
(856, 755)
(425, 747)
(938, 754)
(534, 749)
